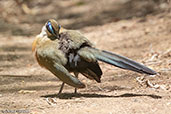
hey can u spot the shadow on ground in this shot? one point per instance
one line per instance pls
(94, 95)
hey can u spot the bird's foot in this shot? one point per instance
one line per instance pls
(75, 92)
(60, 91)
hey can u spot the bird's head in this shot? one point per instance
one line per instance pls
(52, 29)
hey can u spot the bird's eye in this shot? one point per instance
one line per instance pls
(50, 28)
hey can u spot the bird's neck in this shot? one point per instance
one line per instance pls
(39, 38)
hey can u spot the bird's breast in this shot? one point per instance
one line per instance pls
(47, 52)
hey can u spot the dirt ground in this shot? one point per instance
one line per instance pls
(29, 89)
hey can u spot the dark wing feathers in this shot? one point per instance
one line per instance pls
(78, 60)
(82, 57)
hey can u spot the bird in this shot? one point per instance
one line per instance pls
(64, 51)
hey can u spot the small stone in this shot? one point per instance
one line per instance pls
(169, 103)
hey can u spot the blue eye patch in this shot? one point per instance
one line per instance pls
(50, 28)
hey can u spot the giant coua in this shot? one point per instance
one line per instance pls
(64, 51)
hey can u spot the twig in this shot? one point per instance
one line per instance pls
(151, 63)
(140, 80)
(166, 70)
(149, 84)
(51, 101)
(26, 91)
(153, 57)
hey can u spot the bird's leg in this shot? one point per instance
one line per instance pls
(76, 75)
(62, 86)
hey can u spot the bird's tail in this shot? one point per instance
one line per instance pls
(121, 61)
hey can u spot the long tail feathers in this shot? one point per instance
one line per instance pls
(121, 62)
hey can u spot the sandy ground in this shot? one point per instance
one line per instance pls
(27, 88)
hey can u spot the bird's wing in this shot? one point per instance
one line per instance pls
(65, 76)
(87, 55)
(49, 56)
(74, 44)
(92, 68)
(77, 40)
